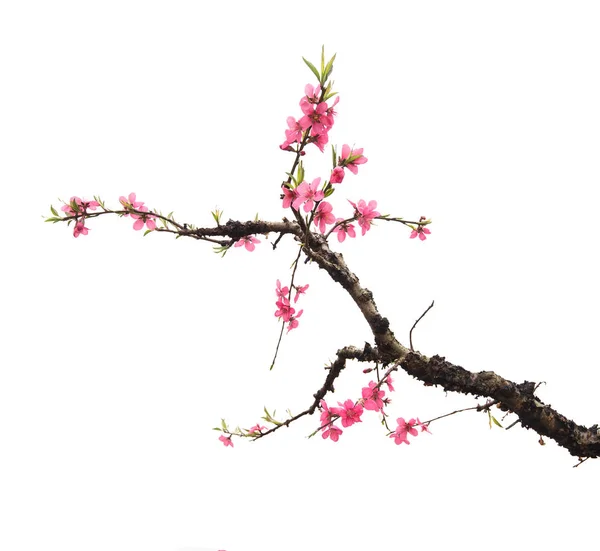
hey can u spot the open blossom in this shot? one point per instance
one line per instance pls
(337, 175)
(312, 95)
(308, 194)
(226, 440)
(404, 428)
(349, 413)
(351, 158)
(130, 202)
(344, 229)
(424, 427)
(293, 320)
(141, 219)
(324, 216)
(332, 432)
(256, 428)
(284, 309)
(82, 206)
(80, 228)
(365, 213)
(282, 292)
(300, 291)
(289, 196)
(388, 382)
(248, 242)
(320, 140)
(421, 232)
(372, 397)
(315, 117)
(294, 132)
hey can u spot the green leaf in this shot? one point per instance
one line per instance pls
(147, 232)
(328, 190)
(333, 156)
(323, 61)
(53, 210)
(328, 69)
(300, 173)
(52, 219)
(312, 68)
(327, 96)
(223, 424)
(496, 422)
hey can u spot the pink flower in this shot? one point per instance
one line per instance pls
(337, 175)
(130, 202)
(420, 231)
(226, 440)
(349, 413)
(285, 310)
(248, 241)
(300, 291)
(320, 140)
(389, 382)
(281, 292)
(324, 216)
(424, 427)
(293, 320)
(351, 158)
(289, 196)
(330, 110)
(403, 429)
(344, 229)
(256, 428)
(365, 214)
(332, 432)
(294, 134)
(80, 228)
(307, 194)
(315, 117)
(372, 397)
(141, 219)
(81, 206)
(312, 94)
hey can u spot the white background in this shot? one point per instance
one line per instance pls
(121, 352)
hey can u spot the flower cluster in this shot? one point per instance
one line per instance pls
(130, 204)
(285, 310)
(78, 207)
(314, 125)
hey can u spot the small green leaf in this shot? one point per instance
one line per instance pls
(300, 173)
(223, 424)
(323, 60)
(52, 219)
(328, 190)
(328, 69)
(312, 68)
(333, 156)
(147, 232)
(53, 210)
(496, 422)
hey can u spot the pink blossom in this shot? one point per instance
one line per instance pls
(320, 140)
(332, 432)
(388, 382)
(331, 113)
(372, 397)
(327, 415)
(337, 175)
(284, 309)
(316, 117)
(300, 291)
(324, 216)
(141, 219)
(226, 440)
(289, 196)
(282, 292)
(424, 426)
(312, 94)
(80, 228)
(293, 320)
(82, 206)
(365, 213)
(420, 231)
(351, 158)
(307, 194)
(248, 241)
(130, 202)
(256, 428)
(344, 229)
(294, 134)
(403, 429)
(349, 413)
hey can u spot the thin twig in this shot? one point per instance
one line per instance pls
(415, 324)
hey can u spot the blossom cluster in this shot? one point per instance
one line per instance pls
(350, 412)
(78, 207)
(285, 310)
